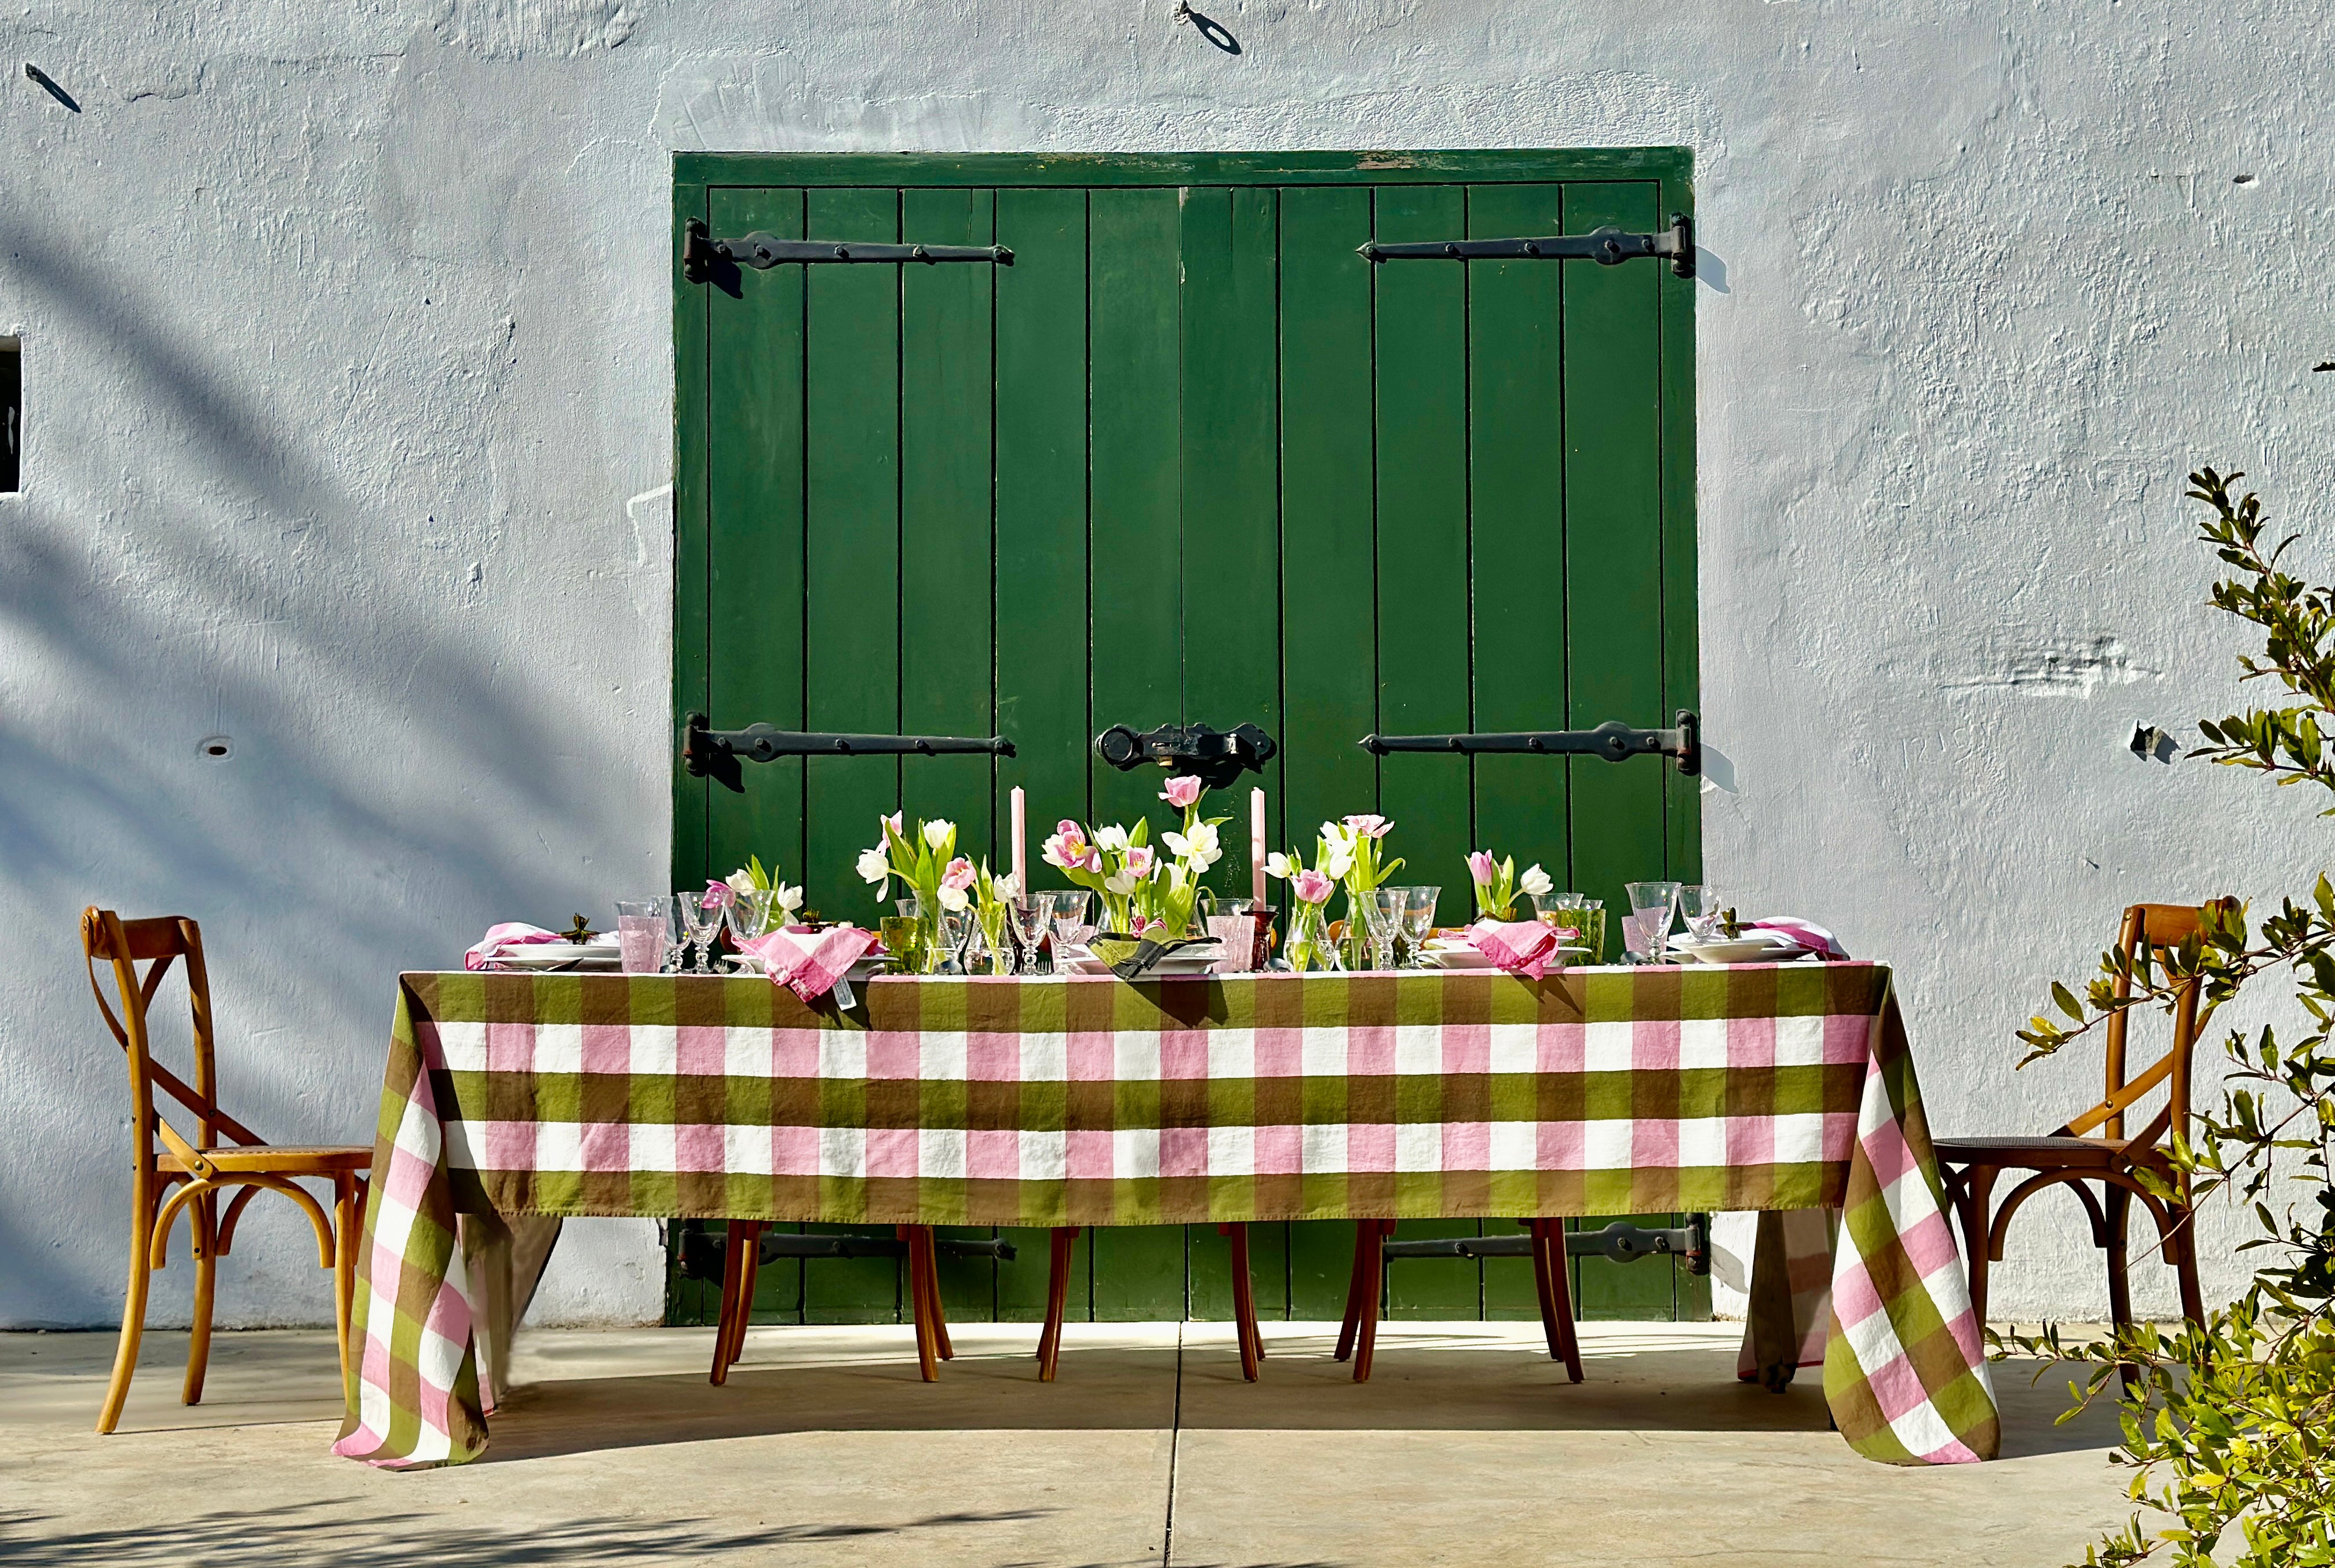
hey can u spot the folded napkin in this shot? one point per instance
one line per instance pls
(810, 962)
(1526, 947)
(509, 934)
(1815, 938)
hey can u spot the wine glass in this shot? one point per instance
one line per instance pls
(1418, 923)
(699, 923)
(1645, 930)
(748, 916)
(1027, 915)
(1382, 913)
(1701, 906)
(1071, 926)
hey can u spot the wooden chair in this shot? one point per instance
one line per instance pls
(1544, 1242)
(741, 1256)
(2093, 1146)
(204, 1169)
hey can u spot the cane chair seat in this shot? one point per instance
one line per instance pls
(2048, 1152)
(274, 1159)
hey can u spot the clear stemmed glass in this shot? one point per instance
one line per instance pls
(1072, 927)
(1646, 929)
(1418, 923)
(748, 915)
(1382, 911)
(1028, 916)
(644, 930)
(1701, 906)
(699, 924)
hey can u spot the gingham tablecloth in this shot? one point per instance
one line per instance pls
(1093, 1102)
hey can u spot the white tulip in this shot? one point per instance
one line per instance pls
(1006, 887)
(740, 881)
(936, 832)
(1277, 865)
(1113, 837)
(875, 866)
(1120, 884)
(1341, 861)
(1533, 882)
(790, 899)
(953, 899)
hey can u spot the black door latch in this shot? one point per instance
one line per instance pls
(1217, 757)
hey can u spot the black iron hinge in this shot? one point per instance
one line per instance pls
(710, 753)
(701, 253)
(1613, 740)
(1605, 247)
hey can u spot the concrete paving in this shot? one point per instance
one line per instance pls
(1466, 1447)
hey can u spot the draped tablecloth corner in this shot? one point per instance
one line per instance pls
(1090, 1101)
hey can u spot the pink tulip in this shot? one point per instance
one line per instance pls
(1370, 826)
(1140, 858)
(1181, 791)
(1070, 850)
(1312, 886)
(718, 896)
(1069, 829)
(959, 874)
(1482, 867)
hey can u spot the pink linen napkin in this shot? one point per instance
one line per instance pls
(1815, 938)
(810, 962)
(511, 933)
(1526, 947)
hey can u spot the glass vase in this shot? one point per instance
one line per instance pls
(1310, 947)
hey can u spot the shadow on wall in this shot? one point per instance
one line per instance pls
(386, 797)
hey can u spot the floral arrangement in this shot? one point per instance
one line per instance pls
(991, 894)
(1498, 884)
(1311, 886)
(926, 863)
(1356, 841)
(785, 902)
(1143, 891)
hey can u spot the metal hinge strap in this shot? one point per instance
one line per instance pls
(699, 251)
(710, 753)
(1613, 740)
(1605, 247)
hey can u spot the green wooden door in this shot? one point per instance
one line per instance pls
(1189, 458)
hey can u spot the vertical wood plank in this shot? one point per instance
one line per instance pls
(754, 560)
(1613, 555)
(692, 475)
(852, 527)
(1516, 511)
(1135, 294)
(1423, 619)
(1230, 502)
(1329, 581)
(1681, 646)
(946, 549)
(1041, 507)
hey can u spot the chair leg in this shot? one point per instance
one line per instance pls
(1543, 1291)
(348, 1227)
(2184, 1264)
(202, 1241)
(933, 1296)
(133, 1311)
(1976, 1204)
(1372, 1246)
(1557, 1296)
(735, 1303)
(1346, 1330)
(750, 1269)
(927, 1353)
(2115, 1241)
(1252, 1342)
(1058, 1295)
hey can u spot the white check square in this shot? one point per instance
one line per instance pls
(1702, 1042)
(559, 1146)
(558, 1047)
(1606, 1047)
(1515, 1048)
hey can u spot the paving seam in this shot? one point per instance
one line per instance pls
(1175, 1440)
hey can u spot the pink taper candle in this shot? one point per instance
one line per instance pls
(1256, 845)
(1021, 842)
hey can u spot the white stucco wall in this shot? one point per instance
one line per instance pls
(347, 342)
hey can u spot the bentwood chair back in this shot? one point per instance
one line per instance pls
(2095, 1145)
(170, 1172)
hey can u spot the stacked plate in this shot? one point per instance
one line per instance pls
(1201, 959)
(1450, 952)
(1753, 946)
(600, 953)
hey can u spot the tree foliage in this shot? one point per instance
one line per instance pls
(2231, 1422)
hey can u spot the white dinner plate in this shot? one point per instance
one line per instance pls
(569, 956)
(1457, 955)
(1749, 950)
(1189, 962)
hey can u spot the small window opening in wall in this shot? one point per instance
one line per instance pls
(12, 414)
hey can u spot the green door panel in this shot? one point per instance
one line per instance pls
(1189, 458)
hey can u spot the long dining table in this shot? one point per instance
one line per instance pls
(1074, 1100)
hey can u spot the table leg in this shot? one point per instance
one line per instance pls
(1252, 1342)
(733, 1266)
(927, 1358)
(932, 1295)
(1362, 1230)
(1058, 1293)
(1371, 1244)
(1557, 1296)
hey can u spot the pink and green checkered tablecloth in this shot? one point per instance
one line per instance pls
(1082, 1101)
